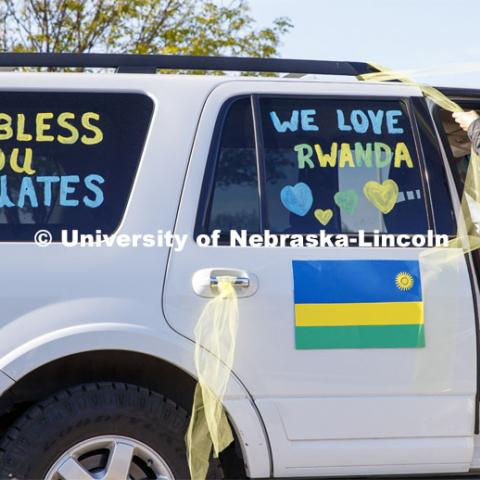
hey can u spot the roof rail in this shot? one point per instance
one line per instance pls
(126, 63)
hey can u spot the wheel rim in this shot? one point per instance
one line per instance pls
(110, 457)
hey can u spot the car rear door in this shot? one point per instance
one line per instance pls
(456, 148)
(341, 388)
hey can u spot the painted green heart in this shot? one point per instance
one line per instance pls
(347, 201)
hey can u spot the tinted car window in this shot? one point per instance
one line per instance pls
(235, 201)
(437, 178)
(68, 160)
(341, 165)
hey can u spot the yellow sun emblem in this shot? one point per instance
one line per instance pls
(404, 281)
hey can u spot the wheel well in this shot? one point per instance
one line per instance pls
(115, 365)
(106, 365)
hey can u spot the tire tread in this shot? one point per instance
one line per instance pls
(80, 406)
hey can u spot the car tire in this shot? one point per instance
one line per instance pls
(108, 410)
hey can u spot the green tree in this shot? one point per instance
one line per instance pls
(195, 27)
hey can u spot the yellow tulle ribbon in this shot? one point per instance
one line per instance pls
(215, 337)
(468, 237)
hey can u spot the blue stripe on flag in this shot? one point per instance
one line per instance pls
(354, 281)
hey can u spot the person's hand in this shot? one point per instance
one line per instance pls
(465, 119)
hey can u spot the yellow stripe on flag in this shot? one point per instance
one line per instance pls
(344, 314)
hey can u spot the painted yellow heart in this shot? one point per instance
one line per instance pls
(382, 195)
(323, 216)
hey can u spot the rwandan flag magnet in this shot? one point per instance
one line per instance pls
(358, 304)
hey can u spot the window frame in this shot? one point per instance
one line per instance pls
(419, 104)
(208, 183)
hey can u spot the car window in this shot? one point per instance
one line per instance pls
(341, 165)
(440, 193)
(68, 160)
(235, 200)
(459, 143)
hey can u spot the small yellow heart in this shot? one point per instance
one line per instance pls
(382, 195)
(323, 216)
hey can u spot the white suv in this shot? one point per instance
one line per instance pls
(96, 342)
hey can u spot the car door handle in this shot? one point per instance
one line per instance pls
(205, 281)
(240, 282)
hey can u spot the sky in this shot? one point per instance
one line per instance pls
(441, 37)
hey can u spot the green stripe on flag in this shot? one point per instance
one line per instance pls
(365, 336)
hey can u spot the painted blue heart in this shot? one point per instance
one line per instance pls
(297, 199)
